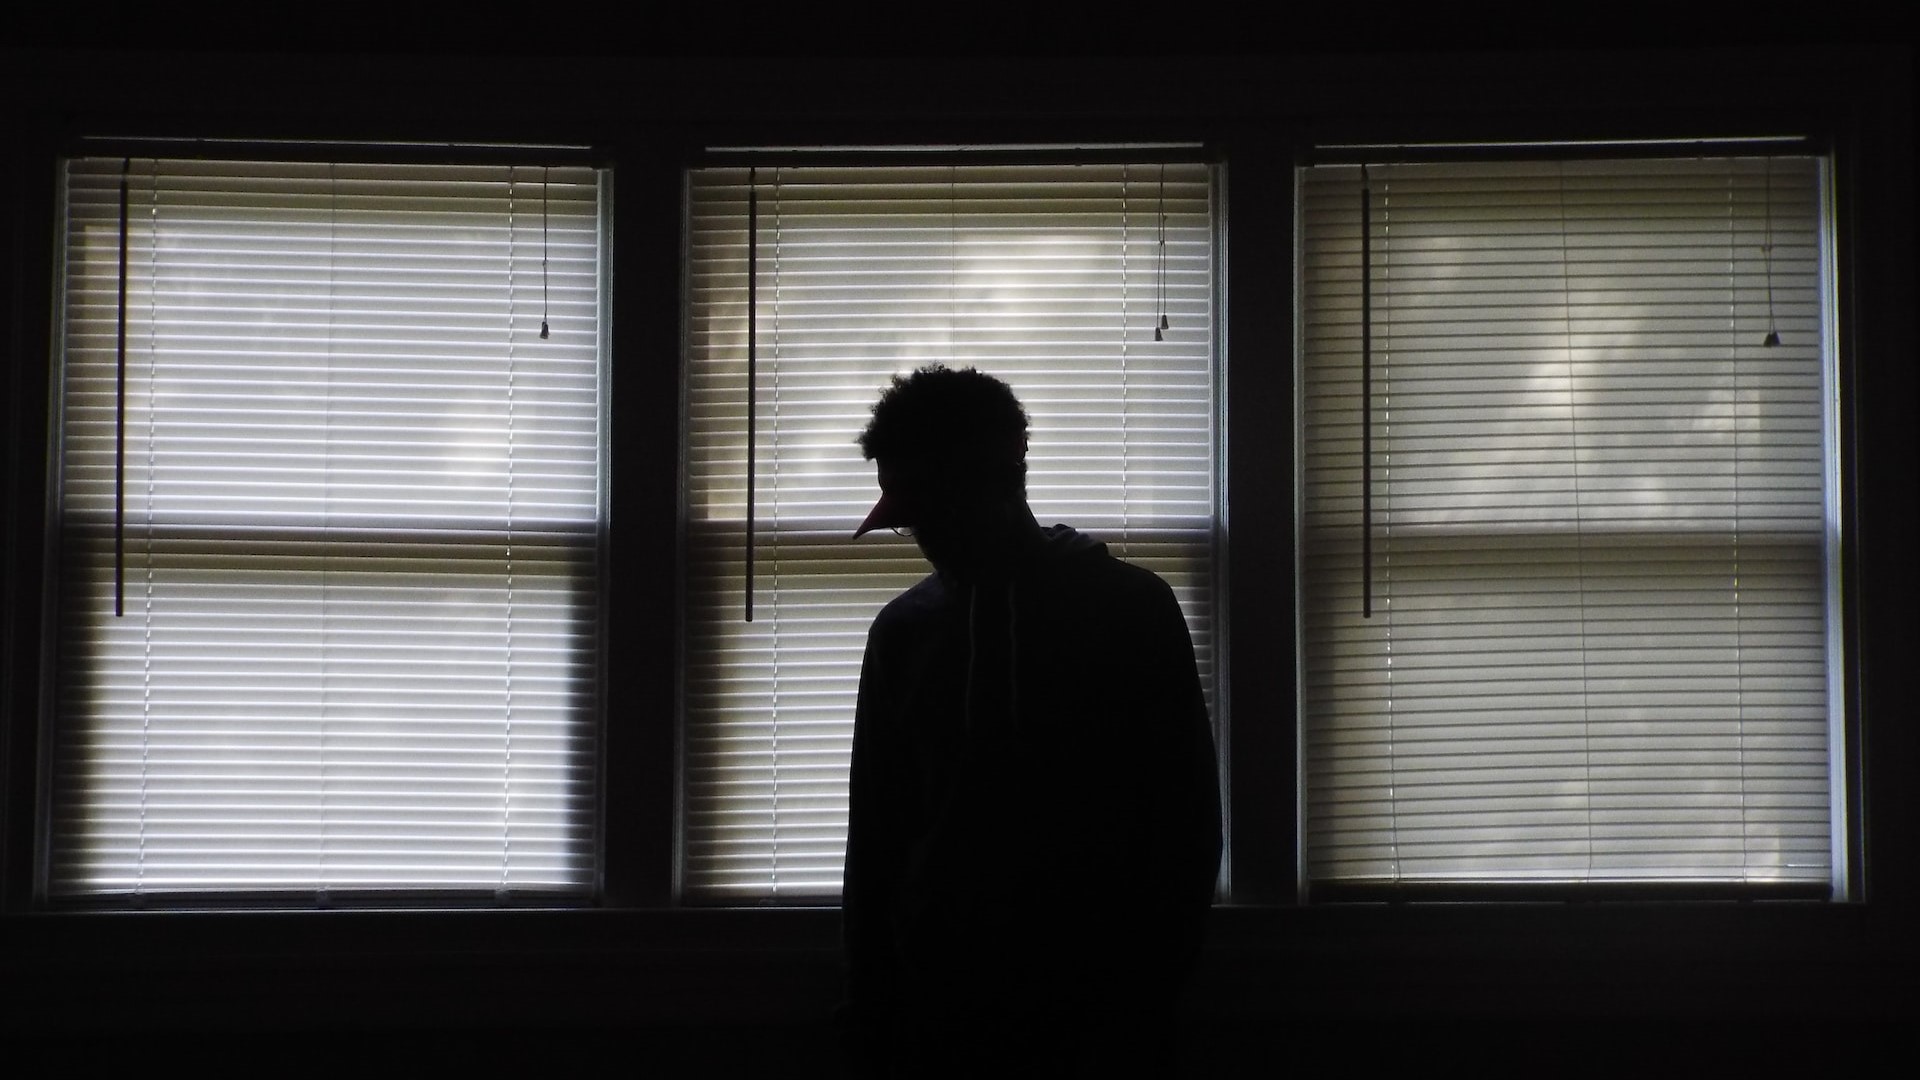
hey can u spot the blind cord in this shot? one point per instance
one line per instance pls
(1366, 394)
(502, 890)
(753, 366)
(1773, 328)
(120, 414)
(1160, 327)
(1579, 512)
(545, 186)
(146, 629)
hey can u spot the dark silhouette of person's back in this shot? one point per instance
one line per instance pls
(1035, 828)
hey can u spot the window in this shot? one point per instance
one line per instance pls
(1053, 277)
(348, 506)
(1568, 545)
(328, 507)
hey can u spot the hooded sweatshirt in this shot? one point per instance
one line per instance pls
(1035, 805)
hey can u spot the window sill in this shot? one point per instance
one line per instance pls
(579, 970)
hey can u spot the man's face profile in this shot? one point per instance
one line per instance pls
(940, 502)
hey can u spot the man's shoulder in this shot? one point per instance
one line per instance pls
(1109, 573)
(924, 600)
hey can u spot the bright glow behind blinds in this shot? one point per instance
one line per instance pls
(361, 496)
(1598, 648)
(1048, 277)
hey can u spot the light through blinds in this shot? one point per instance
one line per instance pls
(359, 504)
(1048, 277)
(1601, 646)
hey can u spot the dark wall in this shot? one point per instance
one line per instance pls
(740, 986)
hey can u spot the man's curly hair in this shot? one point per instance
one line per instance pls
(961, 416)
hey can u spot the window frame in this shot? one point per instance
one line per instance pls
(261, 159)
(1206, 545)
(1262, 775)
(1844, 803)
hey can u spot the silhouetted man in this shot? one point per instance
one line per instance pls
(1035, 828)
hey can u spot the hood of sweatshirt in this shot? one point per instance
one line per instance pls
(993, 609)
(1056, 542)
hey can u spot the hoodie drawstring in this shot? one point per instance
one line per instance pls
(1013, 655)
(1013, 661)
(973, 597)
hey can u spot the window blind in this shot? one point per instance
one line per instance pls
(1600, 647)
(1049, 277)
(358, 504)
